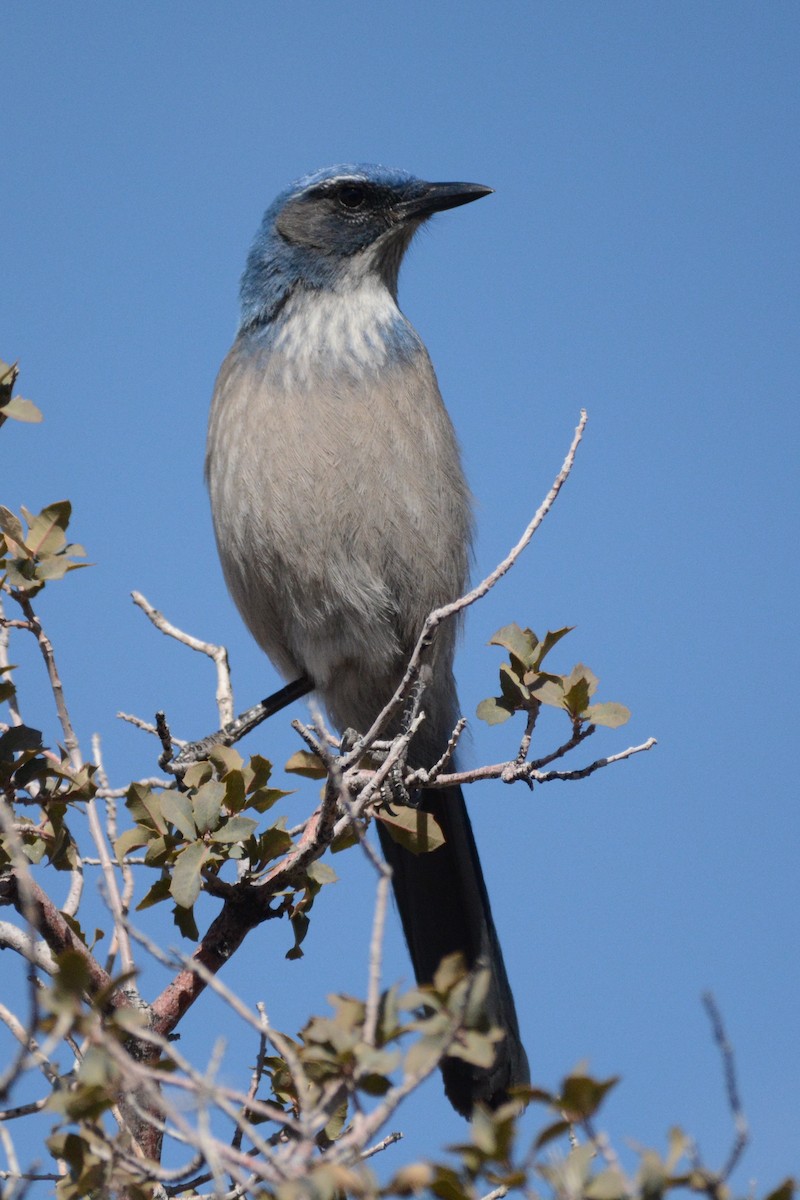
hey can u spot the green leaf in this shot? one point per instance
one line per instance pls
(413, 828)
(235, 829)
(160, 851)
(551, 692)
(303, 762)
(513, 690)
(55, 567)
(581, 1096)
(19, 737)
(21, 410)
(451, 971)
(269, 845)
(522, 643)
(184, 919)
(333, 1130)
(131, 839)
(46, 530)
(186, 878)
(176, 807)
(300, 924)
(198, 774)
(11, 525)
(784, 1191)
(206, 805)
(579, 685)
(347, 838)
(226, 759)
(609, 714)
(321, 873)
(73, 973)
(9, 372)
(610, 1184)
(144, 805)
(262, 799)
(261, 771)
(425, 1054)
(550, 639)
(477, 1048)
(494, 710)
(158, 892)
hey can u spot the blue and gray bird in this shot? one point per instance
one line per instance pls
(342, 518)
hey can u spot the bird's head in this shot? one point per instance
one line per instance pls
(333, 228)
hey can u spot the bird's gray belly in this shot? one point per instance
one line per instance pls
(341, 523)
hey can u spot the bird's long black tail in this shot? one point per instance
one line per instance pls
(444, 907)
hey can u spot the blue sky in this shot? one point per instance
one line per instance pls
(639, 258)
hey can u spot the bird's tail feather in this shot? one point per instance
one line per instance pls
(444, 908)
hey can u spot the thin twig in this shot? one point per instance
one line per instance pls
(509, 772)
(45, 646)
(128, 883)
(742, 1133)
(218, 654)
(375, 957)
(38, 954)
(5, 626)
(154, 781)
(26, 1039)
(425, 777)
(113, 897)
(447, 611)
(146, 726)
(382, 1145)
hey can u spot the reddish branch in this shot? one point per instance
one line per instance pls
(246, 907)
(36, 906)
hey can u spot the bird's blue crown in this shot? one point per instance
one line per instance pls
(302, 242)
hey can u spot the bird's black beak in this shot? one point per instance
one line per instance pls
(436, 197)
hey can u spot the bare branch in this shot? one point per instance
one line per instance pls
(37, 953)
(26, 1039)
(447, 611)
(113, 897)
(45, 646)
(154, 781)
(5, 625)
(218, 654)
(36, 906)
(425, 777)
(509, 772)
(146, 726)
(128, 883)
(731, 1086)
(375, 957)
(382, 1145)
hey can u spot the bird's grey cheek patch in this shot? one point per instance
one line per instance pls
(301, 226)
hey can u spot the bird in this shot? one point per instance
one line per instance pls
(343, 518)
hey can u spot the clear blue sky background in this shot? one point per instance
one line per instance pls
(639, 258)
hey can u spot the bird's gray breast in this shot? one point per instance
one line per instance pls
(340, 508)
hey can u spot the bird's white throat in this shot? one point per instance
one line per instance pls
(345, 326)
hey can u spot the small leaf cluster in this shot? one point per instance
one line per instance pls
(87, 1093)
(524, 685)
(29, 560)
(14, 406)
(32, 777)
(445, 1016)
(95, 1083)
(417, 830)
(190, 834)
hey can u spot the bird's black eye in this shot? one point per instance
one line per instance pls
(352, 196)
